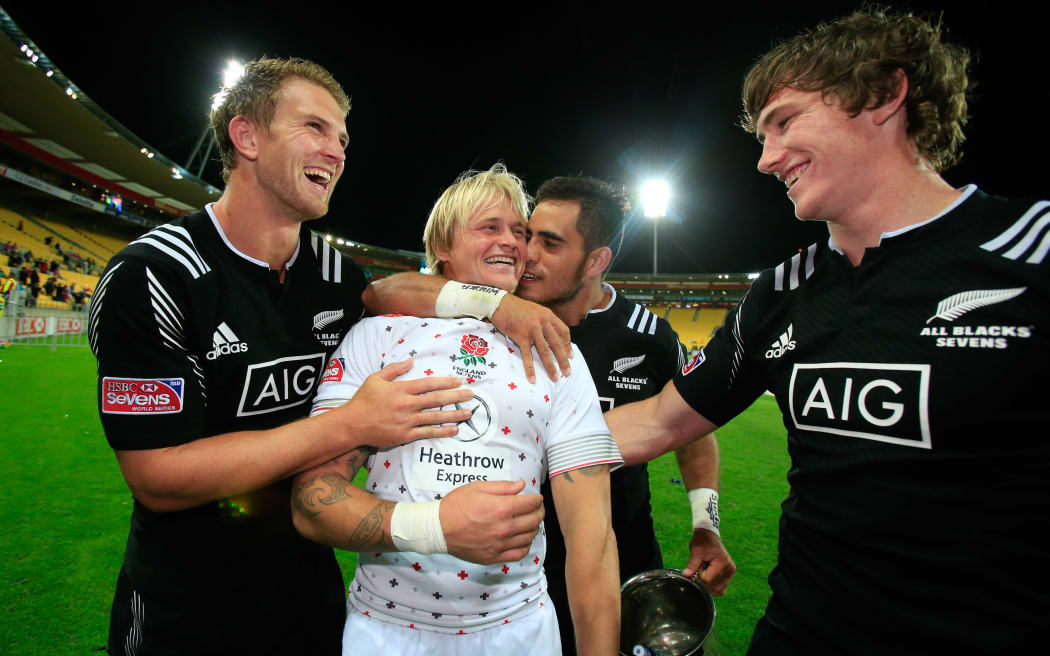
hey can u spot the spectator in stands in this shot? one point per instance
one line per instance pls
(23, 275)
(49, 286)
(7, 287)
(47, 240)
(34, 286)
(44, 268)
(21, 225)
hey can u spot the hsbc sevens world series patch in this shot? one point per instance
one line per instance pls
(333, 371)
(142, 396)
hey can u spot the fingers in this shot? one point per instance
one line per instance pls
(502, 487)
(543, 348)
(717, 576)
(431, 384)
(394, 369)
(694, 564)
(526, 360)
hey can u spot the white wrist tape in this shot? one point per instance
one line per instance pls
(417, 527)
(459, 299)
(704, 502)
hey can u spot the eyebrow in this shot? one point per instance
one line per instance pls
(547, 234)
(344, 136)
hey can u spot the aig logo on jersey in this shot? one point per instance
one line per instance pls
(882, 402)
(782, 345)
(279, 384)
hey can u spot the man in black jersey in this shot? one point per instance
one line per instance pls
(897, 351)
(631, 353)
(211, 334)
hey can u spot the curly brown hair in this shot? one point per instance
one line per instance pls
(255, 95)
(603, 207)
(854, 60)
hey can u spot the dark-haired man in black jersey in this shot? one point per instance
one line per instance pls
(631, 354)
(898, 351)
(212, 333)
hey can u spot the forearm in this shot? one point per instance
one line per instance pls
(212, 468)
(328, 508)
(699, 463)
(650, 428)
(592, 577)
(404, 293)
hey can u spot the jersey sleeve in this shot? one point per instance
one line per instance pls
(670, 351)
(151, 388)
(577, 436)
(721, 381)
(357, 357)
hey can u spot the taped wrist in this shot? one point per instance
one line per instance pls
(417, 527)
(704, 503)
(459, 299)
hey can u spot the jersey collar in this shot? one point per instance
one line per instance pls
(612, 299)
(245, 256)
(967, 191)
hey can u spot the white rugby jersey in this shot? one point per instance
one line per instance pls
(518, 431)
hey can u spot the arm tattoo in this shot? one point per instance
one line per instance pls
(593, 470)
(369, 531)
(306, 496)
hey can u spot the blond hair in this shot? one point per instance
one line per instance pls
(473, 191)
(255, 95)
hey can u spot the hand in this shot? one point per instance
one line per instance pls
(488, 522)
(387, 414)
(708, 555)
(530, 325)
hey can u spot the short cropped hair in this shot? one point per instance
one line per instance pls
(471, 192)
(603, 207)
(256, 94)
(853, 60)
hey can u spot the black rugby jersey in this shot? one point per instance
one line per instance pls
(920, 469)
(631, 354)
(194, 339)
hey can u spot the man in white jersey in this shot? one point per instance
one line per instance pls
(409, 596)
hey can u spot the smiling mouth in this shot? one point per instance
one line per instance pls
(500, 260)
(529, 277)
(319, 177)
(794, 174)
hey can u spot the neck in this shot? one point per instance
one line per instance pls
(590, 296)
(894, 202)
(252, 225)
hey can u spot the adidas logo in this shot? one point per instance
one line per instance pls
(225, 342)
(782, 345)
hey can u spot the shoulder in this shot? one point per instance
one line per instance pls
(173, 248)
(1015, 229)
(333, 265)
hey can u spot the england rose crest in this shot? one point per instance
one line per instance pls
(473, 350)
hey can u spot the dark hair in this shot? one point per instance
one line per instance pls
(603, 207)
(255, 96)
(854, 60)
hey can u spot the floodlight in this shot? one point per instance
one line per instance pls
(29, 52)
(34, 59)
(655, 194)
(50, 73)
(149, 155)
(69, 91)
(234, 71)
(23, 47)
(328, 237)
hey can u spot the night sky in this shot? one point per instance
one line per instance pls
(549, 92)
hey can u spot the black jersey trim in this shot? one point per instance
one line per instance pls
(176, 243)
(133, 640)
(1024, 244)
(796, 265)
(329, 259)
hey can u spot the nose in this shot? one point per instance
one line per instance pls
(333, 150)
(771, 157)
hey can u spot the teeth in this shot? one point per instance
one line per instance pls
(794, 175)
(325, 176)
(500, 260)
(528, 276)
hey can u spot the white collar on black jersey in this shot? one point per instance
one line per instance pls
(966, 192)
(612, 291)
(226, 240)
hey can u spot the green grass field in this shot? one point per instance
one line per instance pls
(64, 509)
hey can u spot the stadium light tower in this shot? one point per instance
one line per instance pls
(233, 72)
(655, 196)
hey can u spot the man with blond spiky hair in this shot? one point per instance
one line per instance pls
(409, 596)
(896, 350)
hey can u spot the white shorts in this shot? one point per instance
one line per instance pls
(535, 634)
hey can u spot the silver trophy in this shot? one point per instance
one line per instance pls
(663, 613)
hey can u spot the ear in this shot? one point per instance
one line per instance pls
(442, 252)
(892, 106)
(243, 135)
(597, 262)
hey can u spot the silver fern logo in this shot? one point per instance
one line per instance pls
(959, 304)
(623, 364)
(322, 319)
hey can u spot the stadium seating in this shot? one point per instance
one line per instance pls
(696, 326)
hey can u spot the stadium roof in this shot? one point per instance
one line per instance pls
(46, 116)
